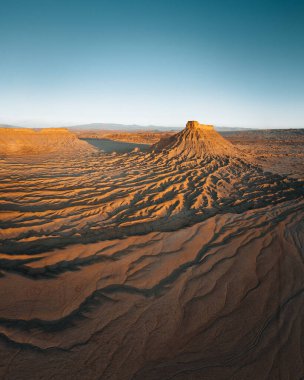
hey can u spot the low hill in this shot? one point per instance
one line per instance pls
(28, 141)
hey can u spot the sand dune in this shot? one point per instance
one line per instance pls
(182, 263)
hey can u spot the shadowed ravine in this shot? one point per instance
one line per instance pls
(182, 263)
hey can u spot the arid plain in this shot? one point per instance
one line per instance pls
(181, 261)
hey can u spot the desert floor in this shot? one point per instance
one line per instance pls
(183, 262)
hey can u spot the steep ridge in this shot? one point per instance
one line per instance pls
(27, 141)
(182, 263)
(196, 140)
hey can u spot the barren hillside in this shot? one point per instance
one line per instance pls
(182, 263)
(28, 141)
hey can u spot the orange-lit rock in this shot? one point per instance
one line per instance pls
(28, 141)
(182, 263)
(196, 141)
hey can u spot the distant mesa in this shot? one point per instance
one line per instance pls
(195, 141)
(48, 140)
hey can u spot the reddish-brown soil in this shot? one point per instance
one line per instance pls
(185, 262)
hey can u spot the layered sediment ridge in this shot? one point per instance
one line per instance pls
(196, 141)
(182, 263)
(49, 140)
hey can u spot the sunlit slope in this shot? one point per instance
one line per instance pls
(182, 263)
(27, 141)
(196, 141)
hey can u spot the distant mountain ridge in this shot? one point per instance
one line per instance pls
(122, 127)
(137, 127)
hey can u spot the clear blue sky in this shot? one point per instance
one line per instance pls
(226, 62)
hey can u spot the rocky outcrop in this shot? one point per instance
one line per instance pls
(28, 141)
(196, 141)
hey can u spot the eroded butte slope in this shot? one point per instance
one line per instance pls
(196, 141)
(49, 140)
(182, 263)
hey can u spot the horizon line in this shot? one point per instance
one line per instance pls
(53, 124)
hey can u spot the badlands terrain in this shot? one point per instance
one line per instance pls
(275, 149)
(27, 141)
(279, 150)
(185, 261)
